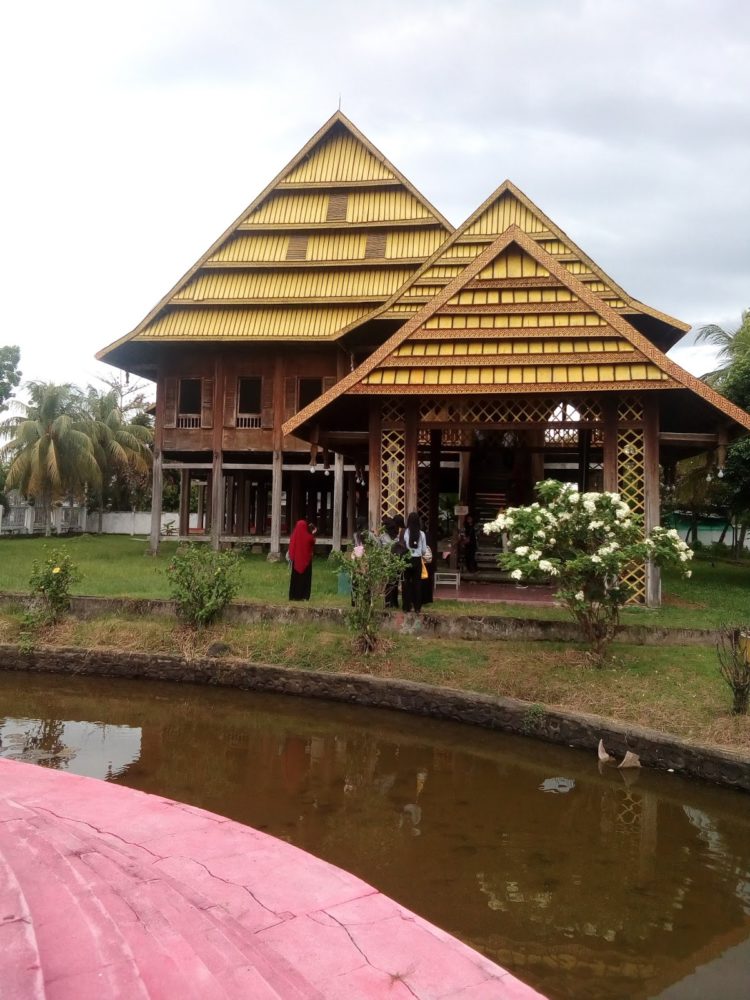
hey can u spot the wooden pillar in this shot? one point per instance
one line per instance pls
(217, 479)
(184, 525)
(217, 501)
(157, 485)
(411, 434)
(201, 510)
(535, 438)
(296, 510)
(651, 490)
(338, 499)
(584, 446)
(609, 450)
(373, 485)
(464, 468)
(436, 440)
(274, 553)
(351, 503)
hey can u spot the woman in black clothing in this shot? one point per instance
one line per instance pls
(416, 546)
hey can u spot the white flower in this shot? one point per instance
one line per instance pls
(545, 566)
(589, 506)
(540, 534)
(516, 574)
(534, 556)
(579, 595)
(522, 550)
(688, 573)
(552, 541)
(595, 524)
(595, 559)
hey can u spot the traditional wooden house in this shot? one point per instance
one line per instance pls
(342, 351)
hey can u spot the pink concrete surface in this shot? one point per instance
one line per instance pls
(108, 893)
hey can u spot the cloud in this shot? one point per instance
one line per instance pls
(137, 133)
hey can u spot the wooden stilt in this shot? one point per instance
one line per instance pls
(338, 499)
(609, 408)
(373, 486)
(410, 453)
(184, 523)
(276, 473)
(157, 486)
(217, 502)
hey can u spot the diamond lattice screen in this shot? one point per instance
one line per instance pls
(631, 487)
(526, 410)
(392, 472)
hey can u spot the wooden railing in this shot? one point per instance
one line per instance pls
(247, 421)
(188, 420)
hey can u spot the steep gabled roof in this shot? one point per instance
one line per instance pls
(507, 206)
(516, 320)
(333, 236)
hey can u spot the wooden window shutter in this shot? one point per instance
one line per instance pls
(170, 401)
(290, 397)
(296, 247)
(207, 402)
(328, 383)
(375, 245)
(337, 202)
(266, 403)
(230, 401)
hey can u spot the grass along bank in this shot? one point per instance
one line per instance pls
(119, 566)
(672, 689)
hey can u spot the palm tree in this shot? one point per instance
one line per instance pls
(50, 448)
(120, 448)
(732, 347)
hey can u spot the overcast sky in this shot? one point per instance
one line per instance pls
(134, 133)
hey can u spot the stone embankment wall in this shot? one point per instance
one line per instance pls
(507, 714)
(439, 626)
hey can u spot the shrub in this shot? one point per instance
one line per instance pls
(370, 567)
(733, 652)
(202, 582)
(50, 584)
(584, 542)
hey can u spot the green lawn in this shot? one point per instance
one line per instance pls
(119, 566)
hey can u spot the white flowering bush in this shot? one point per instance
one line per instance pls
(583, 542)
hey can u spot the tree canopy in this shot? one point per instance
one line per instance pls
(10, 376)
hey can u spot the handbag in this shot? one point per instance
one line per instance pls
(427, 554)
(424, 574)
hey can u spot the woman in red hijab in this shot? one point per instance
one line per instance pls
(301, 546)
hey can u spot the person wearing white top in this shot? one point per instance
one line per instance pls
(416, 546)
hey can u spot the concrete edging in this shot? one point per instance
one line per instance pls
(471, 627)
(510, 715)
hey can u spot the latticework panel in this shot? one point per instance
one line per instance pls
(631, 487)
(521, 410)
(561, 437)
(392, 414)
(630, 410)
(392, 472)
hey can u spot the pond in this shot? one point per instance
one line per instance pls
(584, 884)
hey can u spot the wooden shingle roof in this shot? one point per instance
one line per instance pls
(334, 235)
(516, 320)
(508, 206)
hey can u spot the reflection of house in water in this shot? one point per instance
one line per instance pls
(627, 888)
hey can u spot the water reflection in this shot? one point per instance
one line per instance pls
(586, 884)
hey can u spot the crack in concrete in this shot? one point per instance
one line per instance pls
(102, 833)
(397, 977)
(238, 885)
